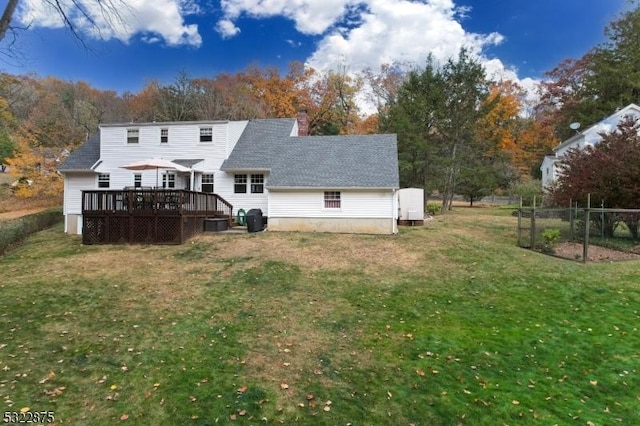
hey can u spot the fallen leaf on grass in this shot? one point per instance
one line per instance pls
(113, 387)
(232, 417)
(327, 408)
(24, 409)
(419, 372)
(284, 386)
(243, 412)
(309, 396)
(593, 382)
(124, 417)
(48, 377)
(242, 389)
(192, 398)
(54, 392)
(515, 402)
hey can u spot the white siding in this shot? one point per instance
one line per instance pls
(184, 143)
(353, 204)
(74, 184)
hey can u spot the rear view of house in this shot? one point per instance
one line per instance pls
(301, 183)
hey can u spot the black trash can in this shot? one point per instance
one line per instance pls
(254, 220)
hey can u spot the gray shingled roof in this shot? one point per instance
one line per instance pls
(84, 157)
(256, 147)
(188, 162)
(353, 161)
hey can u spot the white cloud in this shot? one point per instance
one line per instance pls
(400, 30)
(227, 28)
(368, 33)
(153, 19)
(310, 16)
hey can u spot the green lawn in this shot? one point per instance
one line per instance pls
(449, 324)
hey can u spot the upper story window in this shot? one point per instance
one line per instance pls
(257, 184)
(133, 135)
(164, 135)
(240, 184)
(331, 200)
(137, 180)
(206, 134)
(207, 183)
(103, 180)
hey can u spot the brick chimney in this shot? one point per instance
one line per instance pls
(303, 122)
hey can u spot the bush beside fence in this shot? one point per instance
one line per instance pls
(15, 230)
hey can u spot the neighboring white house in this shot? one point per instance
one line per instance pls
(588, 137)
(301, 183)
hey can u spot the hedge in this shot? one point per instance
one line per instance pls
(15, 230)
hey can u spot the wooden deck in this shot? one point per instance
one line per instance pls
(148, 216)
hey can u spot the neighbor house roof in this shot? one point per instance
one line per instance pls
(83, 158)
(605, 125)
(345, 161)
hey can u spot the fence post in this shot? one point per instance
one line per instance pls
(520, 224)
(571, 221)
(533, 225)
(587, 220)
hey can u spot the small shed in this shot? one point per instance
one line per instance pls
(411, 206)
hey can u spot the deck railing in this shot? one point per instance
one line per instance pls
(148, 216)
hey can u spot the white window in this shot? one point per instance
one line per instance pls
(240, 184)
(133, 135)
(206, 134)
(207, 183)
(164, 135)
(169, 180)
(257, 184)
(331, 200)
(137, 180)
(103, 180)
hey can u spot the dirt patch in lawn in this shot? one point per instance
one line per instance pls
(320, 251)
(573, 251)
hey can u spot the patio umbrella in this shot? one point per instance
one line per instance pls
(155, 163)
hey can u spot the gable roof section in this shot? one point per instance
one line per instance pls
(83, 158)
(353, 161)
(256, 147)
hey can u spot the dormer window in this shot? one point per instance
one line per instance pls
(133, 135)
(206, 134)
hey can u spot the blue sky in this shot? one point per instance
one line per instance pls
(517, 39)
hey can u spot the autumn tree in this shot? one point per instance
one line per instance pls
(520, 141)
(7, 124)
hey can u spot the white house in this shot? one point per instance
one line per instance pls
(301, 183)
(588, 137)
